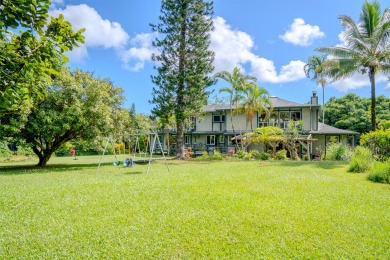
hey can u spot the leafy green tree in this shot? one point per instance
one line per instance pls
(185, 62)
(269, 135)
(314, 67)
(378, 142)
(238, 82)
(352, 112)
(31, 51)
(77, 105)
(255, 99)
(367, 49)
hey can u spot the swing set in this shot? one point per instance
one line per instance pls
(152, 141)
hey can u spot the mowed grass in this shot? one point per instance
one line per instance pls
(196, 210)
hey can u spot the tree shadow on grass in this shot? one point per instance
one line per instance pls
(33, 169)
(135, 172)
(328, 165)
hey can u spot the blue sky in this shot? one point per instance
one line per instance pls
(270, 40)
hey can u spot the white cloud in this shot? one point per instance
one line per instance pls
(234, 48)
(140, 53)
(265, 71)
(302, 34)
(358, 81)
(99, 32)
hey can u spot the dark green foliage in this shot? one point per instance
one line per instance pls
(264, 156)
(241, 154)
(31, 51)
(185, 62)
(78, 105)
(353, 112)
(361, 160)
(378, 142)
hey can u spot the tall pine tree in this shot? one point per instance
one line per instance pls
(185, 62)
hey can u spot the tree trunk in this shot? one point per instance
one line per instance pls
(43, 160)
(180, 140)
(371, 74)
(323, 103)
(44, 157)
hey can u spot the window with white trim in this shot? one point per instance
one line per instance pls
(218, 118)
(187, 139)
(210, 140)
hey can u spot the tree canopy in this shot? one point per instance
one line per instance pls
(185, 62)
(78, 105)
(31, 51)
(353, 112)
(366, 50)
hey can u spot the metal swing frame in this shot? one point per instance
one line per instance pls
(156, 140)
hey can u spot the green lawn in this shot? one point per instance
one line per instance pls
(197, 210)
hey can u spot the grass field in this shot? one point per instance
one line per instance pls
(197, 210)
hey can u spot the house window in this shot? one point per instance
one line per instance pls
(296, 115)
(218, 118)
(334, 139)
(187, 139)
(221, 139)
(262, 121)
(230, 142)
(273, 119)
(210, 140)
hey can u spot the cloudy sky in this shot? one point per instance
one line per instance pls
(270, 40)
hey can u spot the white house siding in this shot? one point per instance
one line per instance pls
(204, 123)
(319, 144)
(306, 118)
(314, 119)
(239, 122)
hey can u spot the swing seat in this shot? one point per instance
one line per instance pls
(128, 162)
(116, 163)
(142, 162)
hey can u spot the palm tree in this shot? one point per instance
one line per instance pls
(314, 66)
(255, 99)
(367, 49)
(238, 82)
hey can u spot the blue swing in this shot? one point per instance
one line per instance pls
(128, 162)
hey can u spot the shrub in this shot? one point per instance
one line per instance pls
(380, 172)
(338, 152)
(240, 154)
(378, 142)
(361, 160)
(265, 156)
(217, 155)
(255, 154)
(207, 157)
(281, 155)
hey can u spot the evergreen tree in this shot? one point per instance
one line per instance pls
(185, 62)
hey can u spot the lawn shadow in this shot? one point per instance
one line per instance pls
(31, 169)
(328, 165)
(131, 173)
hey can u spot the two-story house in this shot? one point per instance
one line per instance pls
(215, 130)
